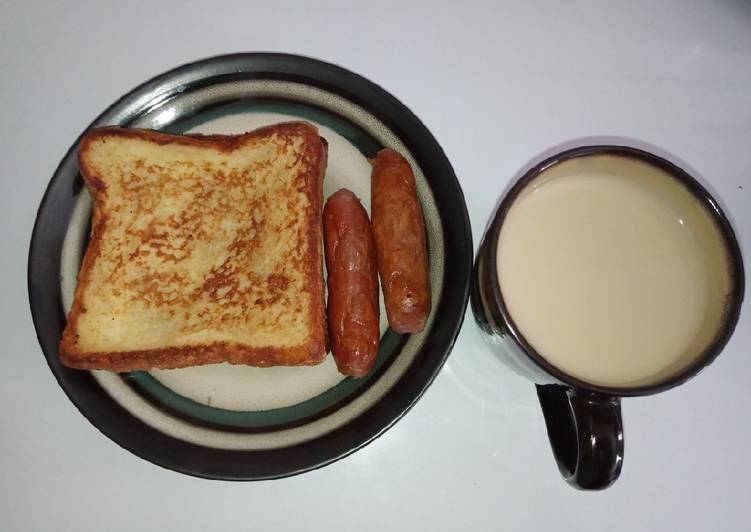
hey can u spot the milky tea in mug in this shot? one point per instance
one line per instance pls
(613, 271)
(606, 271)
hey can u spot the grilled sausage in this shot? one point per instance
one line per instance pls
(353, 313)
(400, 242)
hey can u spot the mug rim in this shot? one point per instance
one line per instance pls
(702, 195)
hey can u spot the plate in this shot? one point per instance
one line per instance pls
(236, 422)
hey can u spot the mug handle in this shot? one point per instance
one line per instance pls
(586, 433)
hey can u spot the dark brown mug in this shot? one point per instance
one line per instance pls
(583, 419)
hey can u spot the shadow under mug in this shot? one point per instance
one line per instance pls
(583, 420)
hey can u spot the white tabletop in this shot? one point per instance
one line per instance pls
(496, 84)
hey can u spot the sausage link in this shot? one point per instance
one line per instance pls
(401, 248)
(353, 313)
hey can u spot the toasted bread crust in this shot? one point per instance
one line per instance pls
(312, 351)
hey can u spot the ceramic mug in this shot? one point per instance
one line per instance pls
(583, 419)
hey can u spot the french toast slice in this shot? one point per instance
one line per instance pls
(202, 250)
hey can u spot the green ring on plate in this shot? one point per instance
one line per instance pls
(275, 418)
(357, 136)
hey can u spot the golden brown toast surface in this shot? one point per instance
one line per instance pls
(203, 250)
